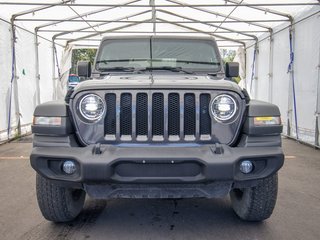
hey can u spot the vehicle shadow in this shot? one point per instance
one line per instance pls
(157, 219)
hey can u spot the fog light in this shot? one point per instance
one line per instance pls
(246, 166)
(69, 167)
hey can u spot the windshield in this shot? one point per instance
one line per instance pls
(157, 53)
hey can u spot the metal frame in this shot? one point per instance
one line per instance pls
(166, 5)
(154, 8)
(218, 14)
(176, 4)
(152, 21)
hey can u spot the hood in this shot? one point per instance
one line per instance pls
(158, 81)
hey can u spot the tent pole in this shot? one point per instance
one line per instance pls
(292, 96)
(207, 24)
(152, 3)
(270, 75)
(317, 113)
(245, 67)
(253, 68)
(53, 72)
(14, 84)
(256, 77)
(36, 49)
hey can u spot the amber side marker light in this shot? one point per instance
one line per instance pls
(265, 121)
(52, 121)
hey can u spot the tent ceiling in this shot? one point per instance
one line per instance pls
(82, 22)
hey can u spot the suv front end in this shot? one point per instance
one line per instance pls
(158, 132)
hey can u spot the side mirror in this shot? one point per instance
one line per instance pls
(232, 69)
(84, 69)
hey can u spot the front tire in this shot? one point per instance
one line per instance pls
(58, 204)
(256, 203)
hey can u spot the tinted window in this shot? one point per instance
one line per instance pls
(158, 52)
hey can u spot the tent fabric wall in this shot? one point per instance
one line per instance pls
(65, 67)
(240, 57)
(307, 47)
(276, 86)
(26, 78)
(5, 79)
(280, 84)
(25, 72)
(45, 70)
(250, 83)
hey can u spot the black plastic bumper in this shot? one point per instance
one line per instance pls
(165, 164)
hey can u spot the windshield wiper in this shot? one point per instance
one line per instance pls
(198, 62)
(123, 60)
(123, 69)
(214, 73)
(168, 68)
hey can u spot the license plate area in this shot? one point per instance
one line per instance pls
(158, 170)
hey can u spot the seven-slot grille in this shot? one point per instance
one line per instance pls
(158, 116)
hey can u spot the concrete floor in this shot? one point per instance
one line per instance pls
(297, 214)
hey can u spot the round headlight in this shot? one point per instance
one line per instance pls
(91, 107)
(223, 108)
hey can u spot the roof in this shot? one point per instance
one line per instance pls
(85, 23)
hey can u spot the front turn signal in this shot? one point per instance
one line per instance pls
(266, 121)
(51, 121)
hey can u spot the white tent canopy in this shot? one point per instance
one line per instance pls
(232, 21)
(267, 32)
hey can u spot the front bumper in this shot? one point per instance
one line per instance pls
(160, 164)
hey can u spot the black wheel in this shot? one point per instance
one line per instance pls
(256, 203)
(58, 204)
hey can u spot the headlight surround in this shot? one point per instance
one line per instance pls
(224, 108)
(92, 107)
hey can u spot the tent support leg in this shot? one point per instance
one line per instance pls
(36, 49)
(270, 75)
(316, 141)
(291, 85)
(317, 133)
(53, 73)
(292, 78)
(252, 71)
(14, 85)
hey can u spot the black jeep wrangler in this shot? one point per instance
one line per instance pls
(158, 117)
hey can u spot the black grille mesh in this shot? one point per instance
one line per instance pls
(157, 114)
(205, 119)
(189, 114)
(110, 120)
(142, 114)
(126, 114)
(173, 114)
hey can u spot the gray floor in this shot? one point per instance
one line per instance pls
(297, 214)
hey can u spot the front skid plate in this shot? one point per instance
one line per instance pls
(108, 191)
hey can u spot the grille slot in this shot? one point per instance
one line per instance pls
(153, 116)
(157, 114)
(126, 114)
(173, 114)
(205, 119)
(110, 120)
(142, 114)
(189, 114)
